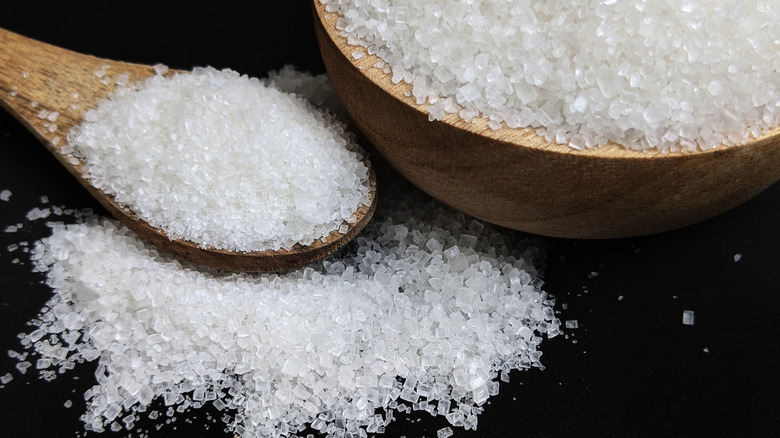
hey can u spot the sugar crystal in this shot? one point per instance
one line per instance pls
(688, 317)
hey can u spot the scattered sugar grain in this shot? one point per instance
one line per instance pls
(444, 432)
(737, 257)
(224, 160)
(37, 213)
(688, 317)
(5, 195)
(23, 366)
(645, 75)
(5, 378)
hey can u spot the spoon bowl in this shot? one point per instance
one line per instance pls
(515, 178)
(49, 89)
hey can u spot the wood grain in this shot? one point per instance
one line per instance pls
(516, 179)
(38, 80)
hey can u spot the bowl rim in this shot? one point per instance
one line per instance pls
(518, 137)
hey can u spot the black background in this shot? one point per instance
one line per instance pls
(630, 369)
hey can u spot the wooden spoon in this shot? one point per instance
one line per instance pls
(49, 89)
(516, 179)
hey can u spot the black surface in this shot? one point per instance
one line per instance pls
(634, 370)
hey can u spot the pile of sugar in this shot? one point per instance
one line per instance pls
(224, 160)
(666, 74)
(427, 310)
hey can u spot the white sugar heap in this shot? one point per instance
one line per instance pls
(425, 311)
(666, 74)
(224, 160)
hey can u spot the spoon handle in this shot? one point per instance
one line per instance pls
(49, 89)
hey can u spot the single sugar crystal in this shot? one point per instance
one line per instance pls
(444, 432)
(687, 317)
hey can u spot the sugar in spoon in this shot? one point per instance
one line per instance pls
(50, 89)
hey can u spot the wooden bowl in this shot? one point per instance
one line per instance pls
(516, 179)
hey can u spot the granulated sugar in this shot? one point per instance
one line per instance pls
(224, 160)
(424, 310)
(317, 89)
(666, 74)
